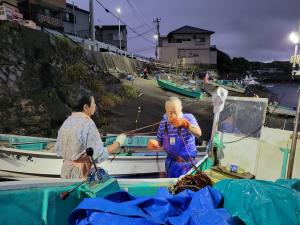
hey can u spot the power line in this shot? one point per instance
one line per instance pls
(138, 15)
(145, 49)
(130, 28)
(146, 32)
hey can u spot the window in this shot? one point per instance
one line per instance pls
(175, 40)
(69, 17)
(116, 36)
(200, 41)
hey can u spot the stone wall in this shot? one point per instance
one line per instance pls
(39, 75)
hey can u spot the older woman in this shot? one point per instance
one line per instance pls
(78, 133)
(176, 134)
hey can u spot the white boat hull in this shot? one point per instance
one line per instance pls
(281, 110)
(239, 90)
(24, 163)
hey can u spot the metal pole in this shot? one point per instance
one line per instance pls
(119, 30)
(74, 17)
(92, 26)
(156, 50)
(294, 60)
(294, 142)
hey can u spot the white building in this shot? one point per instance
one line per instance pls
(187, 45)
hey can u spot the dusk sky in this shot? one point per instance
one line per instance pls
(255, 29)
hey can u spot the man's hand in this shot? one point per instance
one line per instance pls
(180, 122)
(153, 144)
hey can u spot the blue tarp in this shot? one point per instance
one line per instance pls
(187, 207)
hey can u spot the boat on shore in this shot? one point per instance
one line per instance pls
(230, 85)
(24, 156)
(281, 110)
(180, 89)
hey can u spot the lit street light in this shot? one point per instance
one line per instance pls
(118, 10)
(295, 39)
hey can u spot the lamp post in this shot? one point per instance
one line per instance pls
(295, 39)
(118, 10)
(156, 43)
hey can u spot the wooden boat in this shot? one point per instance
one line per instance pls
(229, 85)
(281, 110)
(23, 156)
(164, 84)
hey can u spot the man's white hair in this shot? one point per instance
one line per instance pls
(175, 100)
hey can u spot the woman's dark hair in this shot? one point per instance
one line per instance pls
(83, 97)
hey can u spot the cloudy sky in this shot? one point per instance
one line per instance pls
(254, 29)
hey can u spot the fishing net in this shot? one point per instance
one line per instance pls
(192, 182)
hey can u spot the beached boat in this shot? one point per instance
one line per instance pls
(23, 156)
(281, 110)
(230, 85)
(164, 84)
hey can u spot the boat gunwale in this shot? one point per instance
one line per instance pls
(53, 154)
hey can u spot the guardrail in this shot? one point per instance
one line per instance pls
(96, 45)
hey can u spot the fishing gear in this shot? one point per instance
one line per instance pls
(94, 177)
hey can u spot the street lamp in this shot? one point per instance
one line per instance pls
(295, 39)
(156, 39)
(118, 10)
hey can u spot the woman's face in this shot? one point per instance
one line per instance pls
(90, 110)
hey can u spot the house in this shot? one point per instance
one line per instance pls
(187, 45)
(76, 21)
(109, 34)
(9, 11)
(46, 13)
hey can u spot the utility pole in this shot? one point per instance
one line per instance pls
(92, 26)
(119, 23)
(157, 21)
(74, 20)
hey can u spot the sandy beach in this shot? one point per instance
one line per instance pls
(151, 100)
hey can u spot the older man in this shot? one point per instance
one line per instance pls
(176, 134)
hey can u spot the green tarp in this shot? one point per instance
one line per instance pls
(258, 202)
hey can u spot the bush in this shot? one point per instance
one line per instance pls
(109, 100)
(62, 43)
(76, 71)
(129, 91)
(97, 86)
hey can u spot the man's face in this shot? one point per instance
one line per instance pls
(173, 110)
